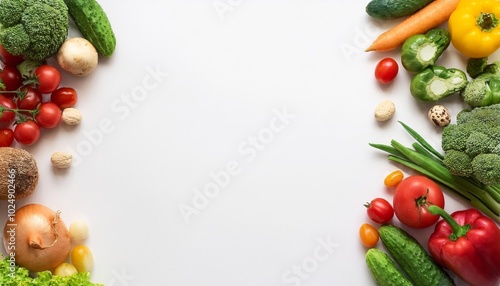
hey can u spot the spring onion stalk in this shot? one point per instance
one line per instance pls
(425, 159)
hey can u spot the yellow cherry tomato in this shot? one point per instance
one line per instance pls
(82, 258)
(65, 269)
(393, 179)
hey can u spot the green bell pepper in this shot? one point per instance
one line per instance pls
(437, 82)
(422, 50)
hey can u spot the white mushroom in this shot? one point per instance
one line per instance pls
(439, 115)
(77, 56)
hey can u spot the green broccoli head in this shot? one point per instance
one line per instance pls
(458, 163)
(487, 168)
(476, 134)
(33, 28)
(16, 39)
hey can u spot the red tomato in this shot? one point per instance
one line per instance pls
(7, 115)
(64, 97)
(49, 115)
(369, 235)
(11, 78)
(48, 78)
(29, 98)
(386, 70)
(379, 210)
(8, 59)
(412, 196)
(27, 132)
(6, 137)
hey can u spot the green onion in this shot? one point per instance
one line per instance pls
(425, 159)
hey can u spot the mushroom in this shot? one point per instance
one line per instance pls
(77, 56)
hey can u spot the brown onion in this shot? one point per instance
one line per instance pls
(37, 237)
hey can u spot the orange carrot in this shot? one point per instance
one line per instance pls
(431, 16)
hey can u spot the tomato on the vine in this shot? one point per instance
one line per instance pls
(368, 234)
(64, 97)
(48, 78)
(8, 59)
(27, 132)
(7, 115)
(411, 198)
(386, 70)
(49, 115)
(29, 98)
(10, 78)
(379, 210)
(6, 137)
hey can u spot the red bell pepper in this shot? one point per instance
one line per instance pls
(467, 243)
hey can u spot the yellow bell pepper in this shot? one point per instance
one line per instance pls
(474, 27)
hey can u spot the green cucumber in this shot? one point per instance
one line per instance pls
(93, 23)
(384, 270)
(413, 259)
(393, 9)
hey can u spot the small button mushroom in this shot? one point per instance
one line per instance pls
(439, 115)
(385, 110)
(77, 56)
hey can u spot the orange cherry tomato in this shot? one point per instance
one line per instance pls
(369, 235)
(393, 179)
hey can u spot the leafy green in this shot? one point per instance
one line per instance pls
(20, 276)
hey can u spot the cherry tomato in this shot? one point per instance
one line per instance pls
(64, 97)
(412, 196)
(82, 258)
(11, 78)
(369, 235)
(6, 137)
(27, 132)
(48, 77)
(379, 210)
(8, 59)
(49, 115)
(29, 98)
(386, 70)
(393, 179)
(7, 115)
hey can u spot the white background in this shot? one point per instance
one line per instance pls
(188, 87)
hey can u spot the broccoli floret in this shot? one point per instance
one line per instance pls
(478, 143)
(456, 137)
(472, 145)
(458, 163)
(484, 88)
(486, 168)
(34, 29)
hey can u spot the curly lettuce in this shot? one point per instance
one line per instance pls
(20, 276)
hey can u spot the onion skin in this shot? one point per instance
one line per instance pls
(42, 240)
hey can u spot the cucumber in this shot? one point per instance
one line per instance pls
(93, 23)
(393, 9)
(413, 259)
(384, 270)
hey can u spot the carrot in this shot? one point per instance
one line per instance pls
(431, 16)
